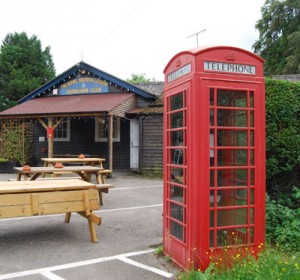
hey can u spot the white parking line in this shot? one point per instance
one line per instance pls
(129, 208)
(47, 271)
(146, 267)
(51, 276)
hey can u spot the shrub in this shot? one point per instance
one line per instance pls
(16, 141)
(283, 221)
(283, 136)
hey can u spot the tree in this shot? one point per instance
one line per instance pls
(24, 66)
(139, 78)
(279, 37)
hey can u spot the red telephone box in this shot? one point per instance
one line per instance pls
(214, 154)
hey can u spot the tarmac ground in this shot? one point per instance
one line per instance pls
(44, 247)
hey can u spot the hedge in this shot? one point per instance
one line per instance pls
(283, 135)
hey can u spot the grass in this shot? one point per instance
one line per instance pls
(159, 251)
(272, 264)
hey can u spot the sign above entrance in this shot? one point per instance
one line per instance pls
(83, 86)
(229, 67)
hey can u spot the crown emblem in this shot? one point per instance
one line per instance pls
(178, 62)
(230, 56)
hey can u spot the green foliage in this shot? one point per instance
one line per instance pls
(271, 264)
(197, 274)
(279, 36)
(24, 66)
(139, 78)
(16, 142)
(292, 200)
(283, 135)
(283, 221)
(159, 251)
(6, 103)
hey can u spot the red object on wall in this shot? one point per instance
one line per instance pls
(214, 154)
(50, 132)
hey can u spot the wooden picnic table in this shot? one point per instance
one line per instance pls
(31, 198)
(85, 173)
(85, 161)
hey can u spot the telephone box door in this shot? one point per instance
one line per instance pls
(236, 181)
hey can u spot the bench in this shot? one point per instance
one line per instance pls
(103, 188)
(50, 178)
(33, 198)
(104, 174)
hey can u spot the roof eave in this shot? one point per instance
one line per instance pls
(37, 116)
(85, 66)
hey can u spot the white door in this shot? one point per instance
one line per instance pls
(134, 144)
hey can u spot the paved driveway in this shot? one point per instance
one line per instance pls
(44, 247)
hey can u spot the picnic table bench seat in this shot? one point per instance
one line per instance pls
(102, 188)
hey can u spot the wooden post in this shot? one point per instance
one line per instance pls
(50, 139)
(110, 142)
(50, 133)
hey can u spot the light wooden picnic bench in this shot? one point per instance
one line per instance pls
(32, 198)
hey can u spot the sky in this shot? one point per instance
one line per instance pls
(124, 37)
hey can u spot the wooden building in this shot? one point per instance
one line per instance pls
(87, 111)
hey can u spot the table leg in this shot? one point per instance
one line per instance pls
(93, 234)
(35, 176)
(67, 217)
(83, 176)
(92, 220)
(19, 176)
(88, 176)
(101, 197)
(46, 164)
(99, 180)
(103, 178)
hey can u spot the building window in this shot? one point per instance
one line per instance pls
(101, 130)
(62, 132)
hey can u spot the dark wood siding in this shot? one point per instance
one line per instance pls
(82, 141)
(122, 149)
(141, 102)
(152, 145)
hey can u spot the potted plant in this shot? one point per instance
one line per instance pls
(7, 166)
